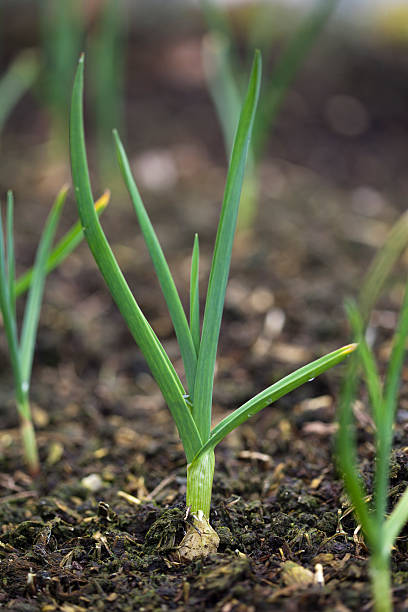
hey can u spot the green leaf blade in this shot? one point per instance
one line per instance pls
(222, 85)
(194, 295)
(157, 359)
(393, 378)
(372, 376)
(275, 392)
(9, 319)
(11, 260)
(222, 256)
(346, 453)
(33, 306)
(381, 266)
(391, 389)
(164, 275)
(396, 521)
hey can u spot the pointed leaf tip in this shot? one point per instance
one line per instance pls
(102, 202)
(349, 348)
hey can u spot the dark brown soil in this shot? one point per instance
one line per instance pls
(97, 529)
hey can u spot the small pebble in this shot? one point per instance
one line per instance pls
(93, 482)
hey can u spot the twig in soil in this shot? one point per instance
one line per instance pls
(17, 496)
(233, 502)
(131, 499)
(255, 456)
(7, 482)
(166, 481)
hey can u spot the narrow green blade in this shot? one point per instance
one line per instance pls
(9, 319)
(227, 99)
(222, 85)
(11, 260)
(62, 249)
(194, 295)
(374, 386)
(273, 393)
(222, 256)
(391, 389)
(372, 376)
(393, 378)
(396, 521)
(34, 299)
(157, 359)
(382, 265)
(166, 281)
(346, 453)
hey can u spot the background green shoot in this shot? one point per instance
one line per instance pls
(65, 30)
(224, 73)
(107, 57)
(21, 346)
(380, 528)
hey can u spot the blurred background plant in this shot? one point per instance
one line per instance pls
(286, 32)
(65, 29)
(21, 346)
(62, 35)
(18, 77)
(107, 61)
(224, 71)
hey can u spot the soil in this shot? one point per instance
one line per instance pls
(98, 528)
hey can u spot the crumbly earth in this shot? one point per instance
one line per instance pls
(99, 527)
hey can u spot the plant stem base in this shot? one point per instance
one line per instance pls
(200, 540)
(381, 585)
(30, 446)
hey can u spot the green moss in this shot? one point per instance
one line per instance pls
(166, 531)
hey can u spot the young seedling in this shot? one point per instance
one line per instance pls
(379, 529)
(382, 265)
(222, 69)
(22, 349)
(190, 409)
